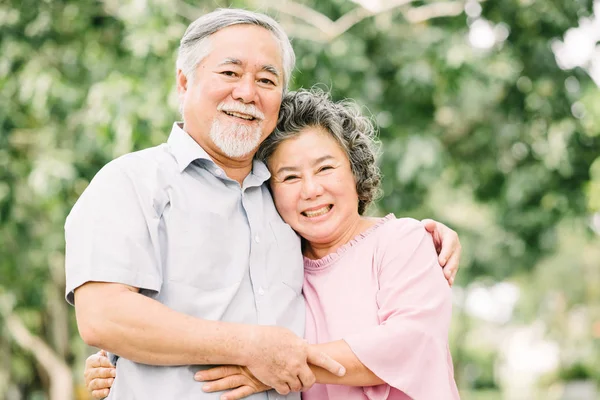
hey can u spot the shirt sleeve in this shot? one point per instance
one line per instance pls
(109, 234)
(409, 347)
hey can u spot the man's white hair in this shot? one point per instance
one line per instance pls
(195, 43)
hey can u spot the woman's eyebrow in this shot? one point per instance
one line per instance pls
(321, 159)
(286, 169)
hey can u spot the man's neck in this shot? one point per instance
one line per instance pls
(235, 168)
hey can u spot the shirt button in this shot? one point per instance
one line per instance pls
(261, 291)
(218, 172)
(256, 239)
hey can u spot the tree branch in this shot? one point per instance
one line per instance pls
(434, 10)
(61, 381)
(328, 30)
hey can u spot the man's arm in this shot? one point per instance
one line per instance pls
(117, 318)
(447, 246)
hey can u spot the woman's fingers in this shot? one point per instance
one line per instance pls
(239, 393)
(98, 360)
(324, 361)
(100, 394)
(228, 382)
(101, 373)
(100, 384)
(217, 373)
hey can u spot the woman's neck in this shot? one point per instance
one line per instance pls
(316, 251)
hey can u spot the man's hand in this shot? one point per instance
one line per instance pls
(231, 377)
(279, 359)
(447, 245)
(99, 374)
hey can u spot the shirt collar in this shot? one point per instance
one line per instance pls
(186, 150)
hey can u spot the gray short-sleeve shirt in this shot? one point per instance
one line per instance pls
(169, 221)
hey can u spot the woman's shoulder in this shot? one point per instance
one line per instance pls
(399, 227)
(402, 237)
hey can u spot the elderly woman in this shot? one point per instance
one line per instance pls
(376, 297)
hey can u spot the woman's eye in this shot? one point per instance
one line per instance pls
(290, 178)
(325, 168)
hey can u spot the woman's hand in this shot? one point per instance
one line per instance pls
(99, 374)
(230, 377)
(447, 245)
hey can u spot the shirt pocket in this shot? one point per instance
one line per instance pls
(200, 253)
(286, 255)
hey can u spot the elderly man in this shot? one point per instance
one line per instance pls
(176, 258)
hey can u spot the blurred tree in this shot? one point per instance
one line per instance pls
(480, 127)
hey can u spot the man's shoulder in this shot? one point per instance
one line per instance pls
(144, 162)
(143, 172)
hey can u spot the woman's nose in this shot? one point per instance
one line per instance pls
(311, 188)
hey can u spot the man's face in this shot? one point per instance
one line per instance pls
(233, 102)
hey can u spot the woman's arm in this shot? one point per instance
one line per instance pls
(357, 374)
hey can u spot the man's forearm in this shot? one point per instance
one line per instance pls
(120, 320)
(357, 374)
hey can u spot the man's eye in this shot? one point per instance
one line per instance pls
(267, 81)
(228, 73)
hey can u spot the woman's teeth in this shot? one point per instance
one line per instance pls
(317, 213)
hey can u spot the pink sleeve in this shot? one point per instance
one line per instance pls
(409, 349)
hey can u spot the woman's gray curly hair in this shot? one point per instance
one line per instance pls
(343, 120)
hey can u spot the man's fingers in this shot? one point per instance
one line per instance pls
(283, 389)
(100, 394)
(322, 360)
(217, 373)
(228, 382)
(295, 385)
(451, 268)
(307, 378)
(99, 384)
(429, 225)
(239, 393)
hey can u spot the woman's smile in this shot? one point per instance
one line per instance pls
(318, 211)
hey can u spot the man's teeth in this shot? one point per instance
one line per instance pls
(316, 213)
(243, 116)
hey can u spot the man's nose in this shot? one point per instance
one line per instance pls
(245, 89)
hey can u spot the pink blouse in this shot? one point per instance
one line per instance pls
(384, 293)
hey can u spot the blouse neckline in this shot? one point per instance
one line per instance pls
(332, 258)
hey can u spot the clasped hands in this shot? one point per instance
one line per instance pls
(275, 358)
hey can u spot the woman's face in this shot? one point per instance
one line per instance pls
(313, 186)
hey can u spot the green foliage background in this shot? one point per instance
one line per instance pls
(485, 141)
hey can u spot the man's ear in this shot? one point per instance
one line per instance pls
(182, 84)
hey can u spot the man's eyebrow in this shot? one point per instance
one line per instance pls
(235, 61)
(271, 69)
